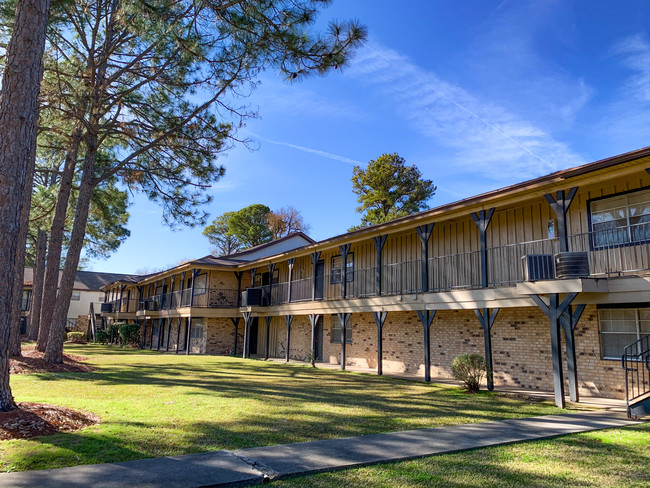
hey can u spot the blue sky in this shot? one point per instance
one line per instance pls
(477, 94)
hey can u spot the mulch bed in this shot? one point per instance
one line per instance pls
(34, 419)
(32, 361)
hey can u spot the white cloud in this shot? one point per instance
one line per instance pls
(635, 54)
(318, 152)
(485, 137)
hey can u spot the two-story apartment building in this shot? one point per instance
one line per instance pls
(548, 278)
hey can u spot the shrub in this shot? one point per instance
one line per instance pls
(469, 369)
(113, 331)
(129, 334)
(102, 337)
(78, 337)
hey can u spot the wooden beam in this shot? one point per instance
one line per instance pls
(553, 311)
(486, 319)
(560, 205)
(178, 333)
(248, 319)
(344, 318)
(290, 262)
(238, 276)
(482, 221)
(380, 320)
(568, 321)
(345, 250)
(188, 336)
(315, 256)
(424, 231)
(313, 320)
(426, 317)
(288, 319)
(379, 242)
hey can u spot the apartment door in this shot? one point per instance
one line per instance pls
(320, 279)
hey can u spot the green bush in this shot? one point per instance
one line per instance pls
(129, 334)
(469, 369)
(113, 331)
(102, 337)
(78, 337)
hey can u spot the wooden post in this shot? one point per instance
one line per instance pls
(313, 320)
(380, 319)
(568, 321)
(424, 231)
(560, 205)
(178, 334)
(122, 287)
(486, 319)
(345, 250)
(267, 319)
(238, 275)
(554, 311)
(195, 273)
(235, 322)
(482, 221)
(291, 262)
(288, 319)
(426, 317)
(379, 242)
(270, 285)
(344, 318)
(315, 256)
(247, 334)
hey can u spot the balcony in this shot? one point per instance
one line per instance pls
(203, 298)
(463, 271)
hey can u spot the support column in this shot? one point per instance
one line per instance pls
(270, 285)
(288, 319)
(238, 275)
(313, 320)
(122, 288)
(486, 319)
(180, 302)
(291, 262)
(344, 318)
(235, 323)
(160, 333)
(482, 221)
(267, 319)
(568, 321)
(345, 250)
(188, 335)
(554, 311)
(247, 334)
(144, 335)
(379, 242)
(195, 273)
(169, 331)
(151, 336)
(380, 319)
(315, 256)
(178, 333)
(172, 281)
(560, 205)
(424, 231)
(426, 317)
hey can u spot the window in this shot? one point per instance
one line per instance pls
(201, 285)
(336, 332)
(197, 329)
(24, 305)
(337, 269)
(76, 296)
(620, 220)
(620, 327)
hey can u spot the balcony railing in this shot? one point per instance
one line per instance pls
(463, 270)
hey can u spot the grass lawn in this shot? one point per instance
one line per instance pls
(154, 404)
(615, 458)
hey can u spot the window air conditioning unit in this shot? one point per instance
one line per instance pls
(251, 297)
(571, 265)
(152, 305)
(538, 267)
(106, 308)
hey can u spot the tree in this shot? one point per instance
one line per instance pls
(155, 88)
(249, 225)
(18, 126)
(285, 221)
(222, 240)
(388, 189)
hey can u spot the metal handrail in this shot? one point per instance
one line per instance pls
(636, 364)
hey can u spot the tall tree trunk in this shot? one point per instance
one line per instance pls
(51, 282)
(19, 273)
(21, 84)
(37, 285)
(54, 349)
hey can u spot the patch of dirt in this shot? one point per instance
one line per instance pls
(32, 362)
(34, 419)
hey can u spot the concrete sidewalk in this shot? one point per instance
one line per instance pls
(256, 465)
